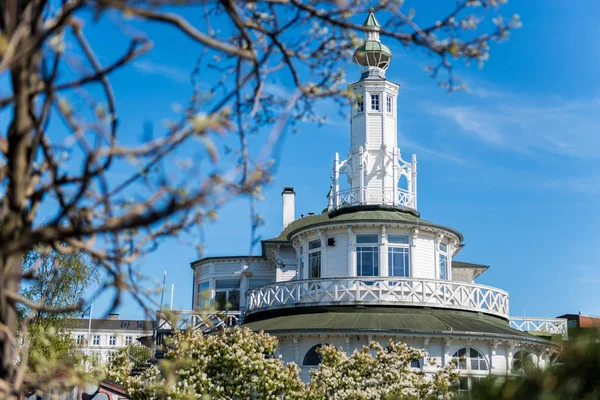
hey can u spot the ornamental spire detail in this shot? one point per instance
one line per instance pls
(375, 171)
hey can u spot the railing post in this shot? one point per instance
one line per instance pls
(336, 181)
(361, 174)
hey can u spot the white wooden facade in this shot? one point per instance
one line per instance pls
(323, 260)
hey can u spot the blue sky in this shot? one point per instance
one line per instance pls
(513, 164)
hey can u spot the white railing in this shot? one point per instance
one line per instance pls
(352, 197)
(555, 326)
(190, 319)
(379, 291)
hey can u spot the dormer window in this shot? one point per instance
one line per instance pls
(367, 255)
(443, 250)
(374, 102)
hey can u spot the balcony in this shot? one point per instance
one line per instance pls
(553, 326)
(378, 291)
(385, 196)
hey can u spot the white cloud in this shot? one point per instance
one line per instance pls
(405, 143)
(166, 71)
(522, 124)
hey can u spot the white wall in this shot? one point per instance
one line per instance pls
(424, 262)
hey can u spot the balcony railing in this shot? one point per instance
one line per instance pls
(385, 196)
(555, 326)
(189, 319)
(379, 291)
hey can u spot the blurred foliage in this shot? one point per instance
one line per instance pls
(574, 376)
(60, 282)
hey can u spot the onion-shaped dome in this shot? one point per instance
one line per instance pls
(372, 54)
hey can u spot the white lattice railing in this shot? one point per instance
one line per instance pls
(379, 291)
(555, 326)
(351, 197)
(189, 319)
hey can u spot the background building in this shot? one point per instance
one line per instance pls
(106, 336)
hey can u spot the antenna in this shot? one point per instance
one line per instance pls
(163, 289)
(172, 291)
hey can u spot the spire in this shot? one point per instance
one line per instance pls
(371, 21)
(372, 55)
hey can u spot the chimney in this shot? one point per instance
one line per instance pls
(288, 197)
(113, 316)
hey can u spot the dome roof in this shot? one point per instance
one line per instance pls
(388, 320)
(372, 54)
(360, 214)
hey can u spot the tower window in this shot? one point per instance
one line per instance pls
(367, 255)
(374, 102)
(314, 259)
(388, 103)
(443, 261)
(360, 104)
(398, 255)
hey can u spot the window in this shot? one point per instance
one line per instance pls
(523, 363)
(388, 102)
(374, 102)
(80, 339)
(203, 295)
(360, 104)
(314, 259)
(472, 360)
(96, 341)
(140, 325)
(465, 383)
(367, 255)
(227, 294)
(312, 358)
(443, 261)
(398, 255)
(415, 364)
(112, 340)
(124, 324)
(128, 340)
(111, 355)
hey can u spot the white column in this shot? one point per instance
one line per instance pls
(383, 259)
(351, 253)
(323, 240)
(244, 285)
(446, 352)
(361, 174)
(414, 179)
(336, 181)
(413, 251)
(296, 354)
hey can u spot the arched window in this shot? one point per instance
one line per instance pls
(312, 357)
(523, 362)
(472, 360)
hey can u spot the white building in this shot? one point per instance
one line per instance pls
(369, 267)
(106, 336)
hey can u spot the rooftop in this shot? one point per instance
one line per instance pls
(369, 213)
(386, 320)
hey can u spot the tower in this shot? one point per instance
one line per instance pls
(375, 170)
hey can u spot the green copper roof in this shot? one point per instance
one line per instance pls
(359, 214)
(371, 20)
(385, 319)
(373, 45)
